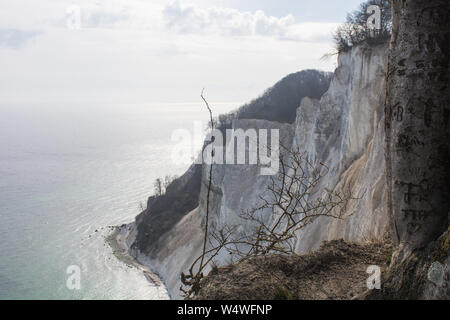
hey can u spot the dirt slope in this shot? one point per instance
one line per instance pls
(336, 271)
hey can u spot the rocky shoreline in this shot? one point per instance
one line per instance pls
(117, 241)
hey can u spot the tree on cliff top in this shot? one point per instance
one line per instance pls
(355, 30)
(280, 102)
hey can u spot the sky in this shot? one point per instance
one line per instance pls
(160, 51)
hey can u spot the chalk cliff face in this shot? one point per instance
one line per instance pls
(234, 188)
(343, 130)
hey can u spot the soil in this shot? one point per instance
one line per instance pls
(337, 271)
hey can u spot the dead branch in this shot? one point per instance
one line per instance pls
(294, 199)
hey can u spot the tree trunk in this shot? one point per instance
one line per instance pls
(418, 146)
(417, 122)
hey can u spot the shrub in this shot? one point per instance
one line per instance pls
(355, 30)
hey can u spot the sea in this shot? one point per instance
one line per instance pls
(70, 171)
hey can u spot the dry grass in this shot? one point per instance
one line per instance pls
(336, 271)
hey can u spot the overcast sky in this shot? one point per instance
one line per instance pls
(151, 51)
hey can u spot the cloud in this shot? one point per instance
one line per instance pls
(188, 19)
(15, 38)
(140, 51)
(97, 16)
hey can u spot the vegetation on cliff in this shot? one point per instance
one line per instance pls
(355, 31)
(176, 199)
(280, 102)
(337, 271)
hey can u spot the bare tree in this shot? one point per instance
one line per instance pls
(158, 187)
(355, 30)
(193, 279)
(292, 206)
(168, 181)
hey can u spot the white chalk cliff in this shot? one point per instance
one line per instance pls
(344, 130)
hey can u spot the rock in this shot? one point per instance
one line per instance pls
(344, 130)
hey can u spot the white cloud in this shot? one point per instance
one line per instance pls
(97, 16)
(187, 18)
(126, 51)
(15, 38)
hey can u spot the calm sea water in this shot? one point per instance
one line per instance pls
(69, 170)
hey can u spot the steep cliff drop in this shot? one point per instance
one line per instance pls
(382, 130)
(168, 235)
(344, 129)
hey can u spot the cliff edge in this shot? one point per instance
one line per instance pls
(342, 129)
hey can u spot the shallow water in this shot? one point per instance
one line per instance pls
(67, 171)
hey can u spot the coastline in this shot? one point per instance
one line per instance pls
(117, 241)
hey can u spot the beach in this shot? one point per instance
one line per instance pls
(118, 243)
